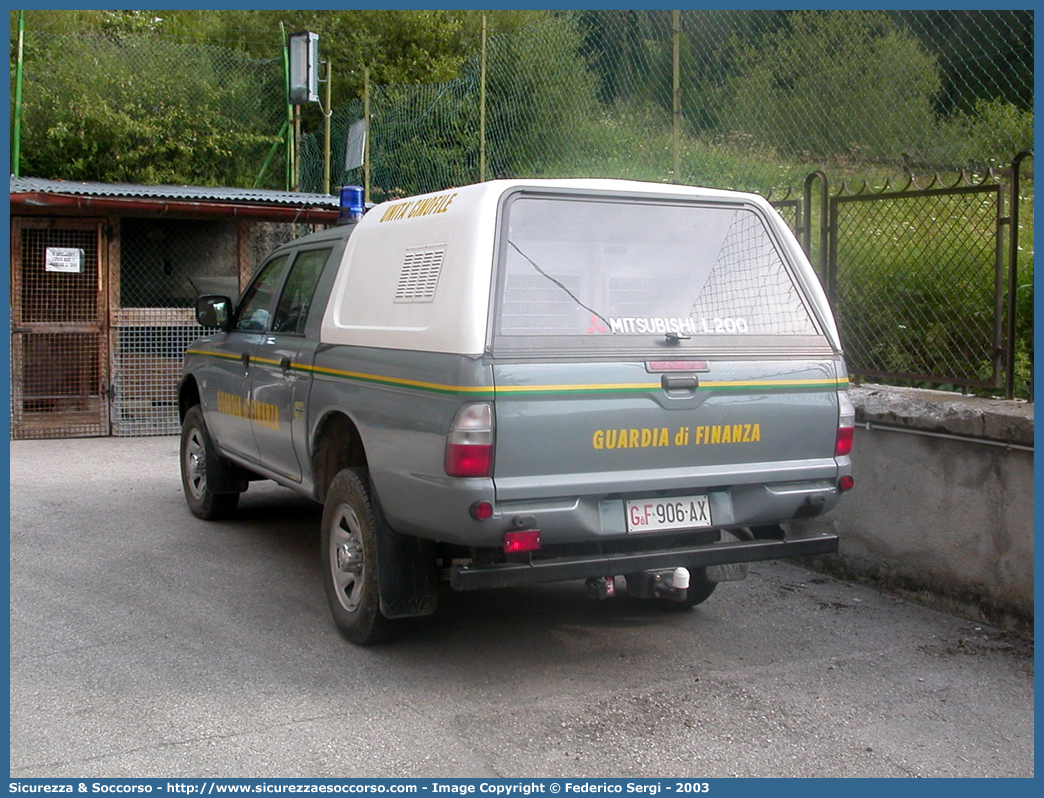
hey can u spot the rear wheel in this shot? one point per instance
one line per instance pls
(196, 449)
(349, 559)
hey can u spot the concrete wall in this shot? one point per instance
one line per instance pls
(942, 509)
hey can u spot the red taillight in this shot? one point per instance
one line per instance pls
(845, 436)
(526, 540)
(845, 424)
(846, 482)
(468, 460)
(469, 445)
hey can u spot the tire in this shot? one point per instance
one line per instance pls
(196, 449)
(348, 550)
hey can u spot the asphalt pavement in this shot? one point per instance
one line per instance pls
(147, 643)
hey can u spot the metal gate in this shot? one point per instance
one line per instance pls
(918, 278)
(59, 341)
(917, 281)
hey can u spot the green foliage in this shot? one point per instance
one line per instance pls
(983, 54)
(533, 113)
(423, 139)
(1024, 295)
(87, 116)
(427, 137)
(811, 86)
(913, 297)
(991, 134)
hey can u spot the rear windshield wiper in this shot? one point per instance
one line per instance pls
(572, 296)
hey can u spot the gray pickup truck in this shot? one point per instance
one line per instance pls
(526, 381)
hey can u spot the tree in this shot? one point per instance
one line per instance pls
(830, 84)
(194, 96)
(109, 106)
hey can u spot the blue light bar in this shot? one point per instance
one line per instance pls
(352, 205)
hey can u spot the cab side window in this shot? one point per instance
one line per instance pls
(254, 309)
(295, 302)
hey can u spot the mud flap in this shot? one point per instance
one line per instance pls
(223, 476)
(408, 577)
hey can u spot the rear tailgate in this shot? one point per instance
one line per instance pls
(652, 348)
(633, 427)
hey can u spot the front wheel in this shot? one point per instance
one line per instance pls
(196, 449)
(348, 548)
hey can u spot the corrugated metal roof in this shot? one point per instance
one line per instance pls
(21, 185)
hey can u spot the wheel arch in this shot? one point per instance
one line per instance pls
(188, 395)
(336, 445)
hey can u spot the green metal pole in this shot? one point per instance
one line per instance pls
(327, 113)
(16, 136)
(295, 184)
(676, 87)
(482, 105)
(289, 110)
(268, 160)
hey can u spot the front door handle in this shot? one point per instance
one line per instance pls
(285, 364)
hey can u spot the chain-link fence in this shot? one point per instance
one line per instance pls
(758, 101)
(916, 278)
(135, 108)
(752, 100)
(734, 99)
(164, 265)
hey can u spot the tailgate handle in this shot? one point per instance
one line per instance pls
(679, 383)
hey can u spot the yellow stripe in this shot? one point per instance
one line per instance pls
(514, 389)
(431, 386)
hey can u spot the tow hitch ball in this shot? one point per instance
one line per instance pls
(673, 585)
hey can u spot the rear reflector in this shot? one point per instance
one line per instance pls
(526, 540)
(846, 482)
(481, 511)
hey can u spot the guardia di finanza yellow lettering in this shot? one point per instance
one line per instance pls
(646, 437)
(263, 413)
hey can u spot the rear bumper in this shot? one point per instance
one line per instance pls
(478, 577)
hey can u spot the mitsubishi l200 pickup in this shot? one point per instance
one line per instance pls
(528, 381)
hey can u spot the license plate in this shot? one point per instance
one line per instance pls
(677, 512)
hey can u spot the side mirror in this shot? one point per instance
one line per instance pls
(214, 310)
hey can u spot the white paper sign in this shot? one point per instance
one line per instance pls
(63, 259)
(356, 147)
